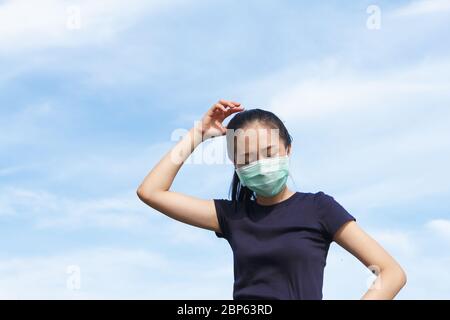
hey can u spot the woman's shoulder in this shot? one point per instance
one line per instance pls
(317, 199)
(316, 196)
(322, 198)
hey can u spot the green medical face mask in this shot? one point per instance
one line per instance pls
(266, 177)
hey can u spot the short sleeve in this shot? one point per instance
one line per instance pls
(222, 210)
(331, 214)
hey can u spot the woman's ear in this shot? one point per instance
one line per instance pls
(289, 150)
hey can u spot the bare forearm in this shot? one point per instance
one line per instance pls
(387, 284)
(162, 175)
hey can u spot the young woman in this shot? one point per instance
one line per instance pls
(279, 237)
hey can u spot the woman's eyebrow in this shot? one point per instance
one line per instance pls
(262, 148)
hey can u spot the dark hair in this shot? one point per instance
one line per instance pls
(238, 192)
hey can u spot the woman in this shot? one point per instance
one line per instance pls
(279, 237)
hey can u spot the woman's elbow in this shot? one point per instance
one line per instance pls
(399, 274)
(139, 192)
(403, 277)
(143, 194)
(148, 195)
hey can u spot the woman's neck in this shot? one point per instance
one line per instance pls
(267, 201)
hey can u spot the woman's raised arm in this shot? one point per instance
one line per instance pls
(155, 188)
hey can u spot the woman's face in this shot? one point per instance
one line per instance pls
(254, 142)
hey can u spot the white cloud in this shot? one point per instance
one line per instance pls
(6, 171)
(113, 273)
(440, 227)
(181, 233)
(25, 25)
(122, 211)
(115, 162)
(339, 89)
(398, 241)
(102, 270)
(422, 7)
(25, 125)
(389, 192)
(428, 277)
(46, 209)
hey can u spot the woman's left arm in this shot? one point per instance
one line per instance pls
(390, 275)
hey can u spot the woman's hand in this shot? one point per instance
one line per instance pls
(211, 123)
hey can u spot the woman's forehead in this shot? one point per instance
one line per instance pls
(252, 139)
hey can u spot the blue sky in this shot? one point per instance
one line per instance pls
(86, 112)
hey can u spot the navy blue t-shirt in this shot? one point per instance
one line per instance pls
(280, 250)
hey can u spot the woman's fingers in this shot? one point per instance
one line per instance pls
(212, 121)
(220, 107)
(215, 107)
(228, 103)
(233, 110)
(224, 108)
